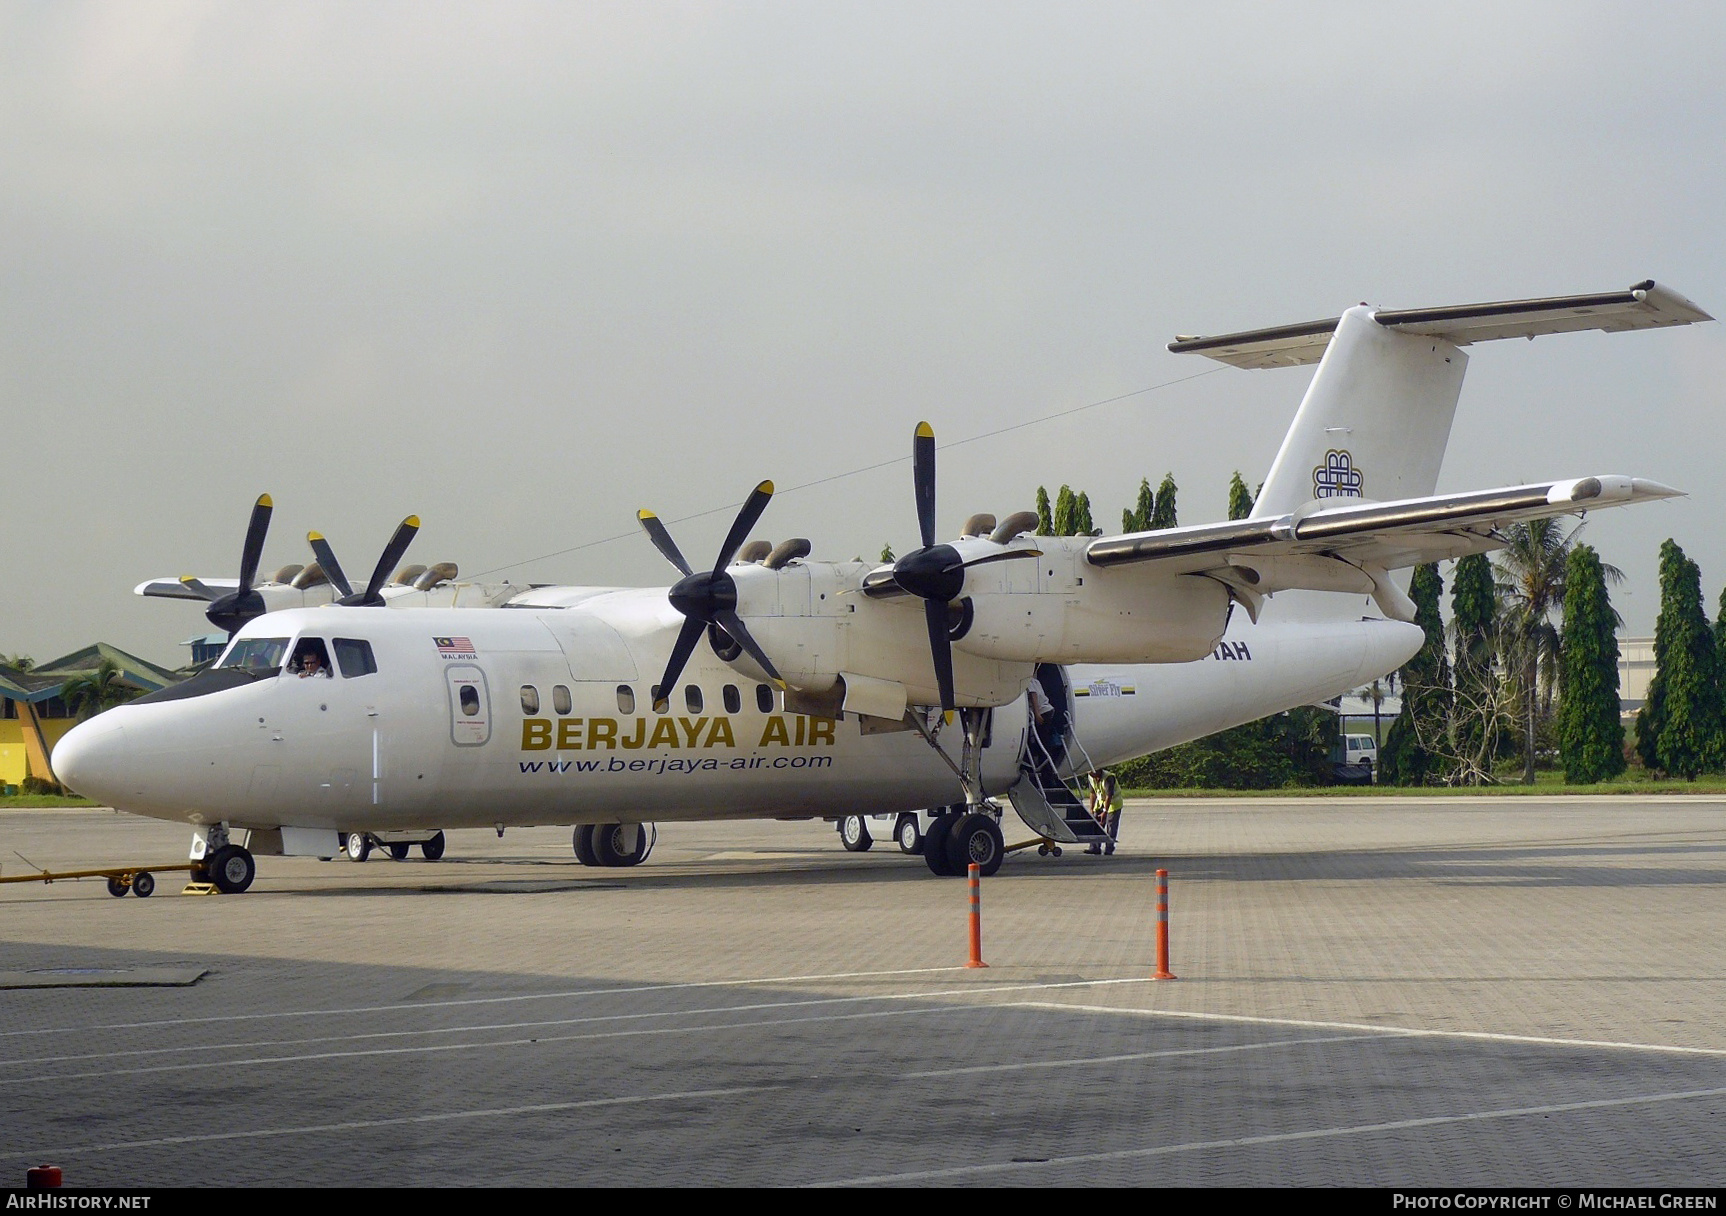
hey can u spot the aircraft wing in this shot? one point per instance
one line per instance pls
(175, 589)
(1350, 548)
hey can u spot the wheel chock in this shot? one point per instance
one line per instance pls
(201, 888)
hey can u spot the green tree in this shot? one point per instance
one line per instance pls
(1082, 524)
(1287, 749)
(89, 694)
(887, 552)
(1240, 502)
(1408, 756)
(1685, 727)
(1474, 623)
(18, 662)
(1045, 521)
(1163, 515)
(1590, 730)
(1531, 573)
(1146, 508)
(1066, 502)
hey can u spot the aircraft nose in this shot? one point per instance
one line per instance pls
(89, 758)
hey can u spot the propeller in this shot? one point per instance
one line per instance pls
(710, 597)
(935, 573)
(232, 610)
(370, 597)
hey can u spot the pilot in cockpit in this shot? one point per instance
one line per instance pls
(309, 660)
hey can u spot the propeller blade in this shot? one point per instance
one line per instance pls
(940, 648)
(662, 540)
(1007, 556)
(734, 626)
(753, 506)
(391, 555)
(328, 564)
(923, 481)
(687, 637)
(199, 589)
(254, 548)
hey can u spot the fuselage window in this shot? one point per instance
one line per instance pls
(764, 698)
(256, 655)
(625, 699)
(529, 700)
(354, 657)
(560, 698)
(733, 699)
(692, 698)
(469, 700)
(311, 659)
(661, 702)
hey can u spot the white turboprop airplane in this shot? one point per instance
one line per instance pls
(797, 688)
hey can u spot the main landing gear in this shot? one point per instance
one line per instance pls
(960, 837)
(614, 844)
(969, 833)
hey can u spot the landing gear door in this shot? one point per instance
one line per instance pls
(469, 705)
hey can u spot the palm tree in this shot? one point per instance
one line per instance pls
(1531, 584)
(94, 691)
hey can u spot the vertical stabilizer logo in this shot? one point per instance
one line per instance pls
(1337, 477)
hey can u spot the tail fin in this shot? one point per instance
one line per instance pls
(1374, 422)
(1377, 416)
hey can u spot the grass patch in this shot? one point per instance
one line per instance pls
(1546, 784)
(24, 802)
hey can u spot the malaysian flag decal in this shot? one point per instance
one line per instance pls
(455, 648)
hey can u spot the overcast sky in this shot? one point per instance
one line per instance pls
(524, 268)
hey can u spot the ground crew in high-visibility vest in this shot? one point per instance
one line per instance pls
(1105, 809)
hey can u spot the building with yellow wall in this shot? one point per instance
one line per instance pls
(33, 715)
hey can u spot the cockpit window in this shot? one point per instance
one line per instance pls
(311, 659)
(259, 656)
(354, 657)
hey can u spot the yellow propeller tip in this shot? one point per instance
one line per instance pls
(264, 501)
(765, 487)
(314, 536)
(925, 431)
(412, 521)
(644, 513)
(188, 578)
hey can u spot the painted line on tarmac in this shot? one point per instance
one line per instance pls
(1320, 1133)
(1130, 1057)
(539, 1108)
(399, 1007)
(1479, 1036)
(196, 1064)
(554, 1107)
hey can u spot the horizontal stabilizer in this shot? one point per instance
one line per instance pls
(177, 589)
(1647, 305)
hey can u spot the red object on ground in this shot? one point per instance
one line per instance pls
(42, 1177)
(976, 882)
(1163, 972)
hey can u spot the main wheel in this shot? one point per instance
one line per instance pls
(976, 840)
(117, 887)
(584, 845)
(359, 846)
(935, 846)
(143, 884)
(908, 835)
(432, 849)
(232, 869)
(610, 846)
(398, 851)
(854, 834)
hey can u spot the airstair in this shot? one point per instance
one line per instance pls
(1043, 796)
